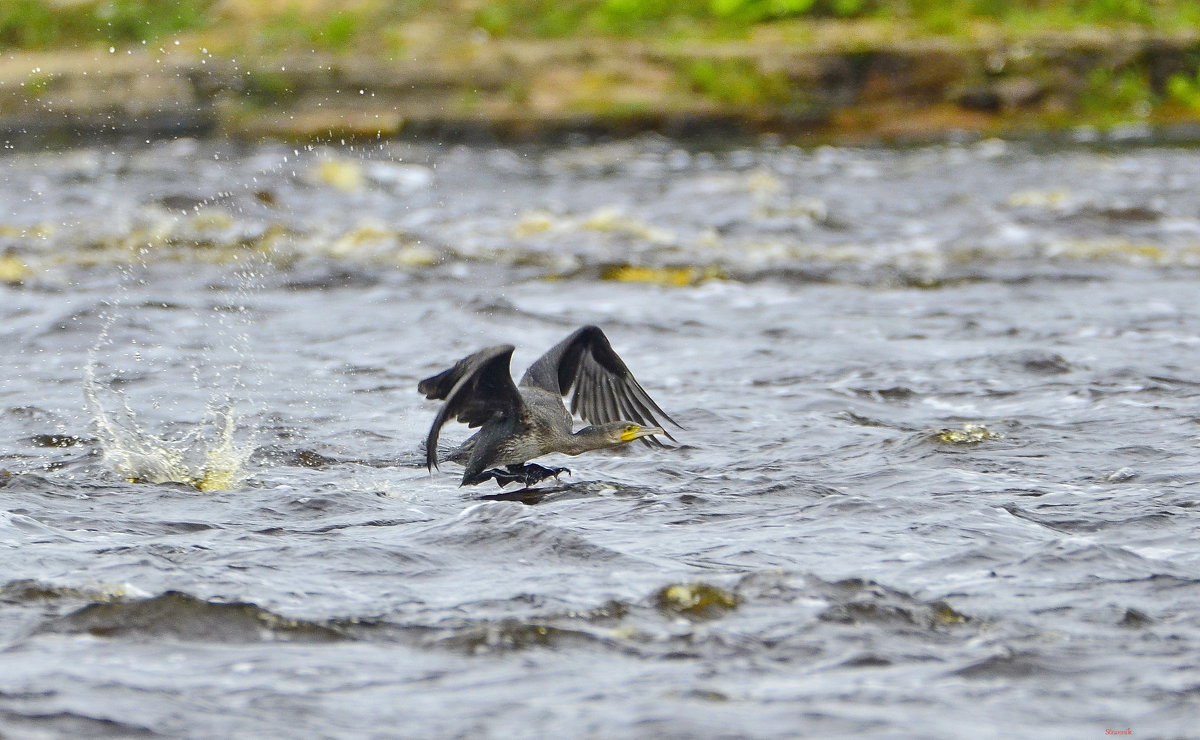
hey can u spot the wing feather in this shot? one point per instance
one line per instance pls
(477, 389)
(629, 412)
(601, 386)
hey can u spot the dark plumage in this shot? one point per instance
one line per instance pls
(520, 423)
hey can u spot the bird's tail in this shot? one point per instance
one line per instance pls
(454, 454)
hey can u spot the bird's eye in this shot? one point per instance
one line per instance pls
(631, 428)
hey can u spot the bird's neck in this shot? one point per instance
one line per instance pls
(587, 439)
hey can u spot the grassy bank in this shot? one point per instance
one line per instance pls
(868, 66)
(249, 25)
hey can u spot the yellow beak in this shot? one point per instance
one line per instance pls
(639, 432)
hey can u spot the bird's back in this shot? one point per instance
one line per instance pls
(540, 426)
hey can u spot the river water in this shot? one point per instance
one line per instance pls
(938, 477)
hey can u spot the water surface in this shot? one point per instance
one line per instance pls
(938, 477)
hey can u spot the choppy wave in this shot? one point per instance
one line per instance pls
(651, 213)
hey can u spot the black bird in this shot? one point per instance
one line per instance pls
(520, 423)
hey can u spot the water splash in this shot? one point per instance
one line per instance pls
(208, 458)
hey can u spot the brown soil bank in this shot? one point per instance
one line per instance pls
(909, 90)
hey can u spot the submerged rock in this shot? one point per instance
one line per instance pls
(969, 434)
(695, 600)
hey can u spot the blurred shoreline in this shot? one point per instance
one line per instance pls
(1089, 84)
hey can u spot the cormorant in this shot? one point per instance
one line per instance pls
(520, 423)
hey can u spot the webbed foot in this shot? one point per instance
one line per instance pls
(527, 475)
(502, 477)
(530, 473)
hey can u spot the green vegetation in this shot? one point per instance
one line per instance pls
(341, 26)
(754, 11)
(35, 24)
(1112, 96)
(1056, 62)
(1184, 89)
(265, 88)
(535, 18)
(738, 83)
(37, 84)
(333, 31)
(723, 17)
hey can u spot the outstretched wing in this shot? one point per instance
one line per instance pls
(604, 389)
(478, 388)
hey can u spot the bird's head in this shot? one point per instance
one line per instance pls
(612, 434)
(627, 431)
